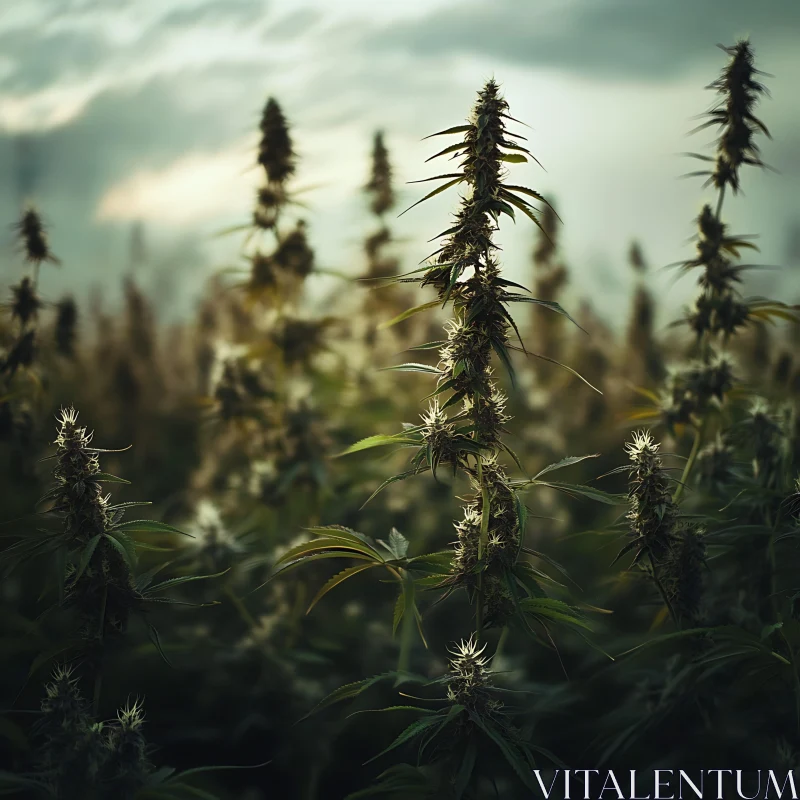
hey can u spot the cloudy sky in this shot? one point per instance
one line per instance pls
(114, 112)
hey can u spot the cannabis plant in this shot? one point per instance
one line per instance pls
(92, 550)
(730, 501)
(462, 433)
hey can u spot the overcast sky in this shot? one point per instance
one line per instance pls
(145, 110)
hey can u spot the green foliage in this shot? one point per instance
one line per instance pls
(648, 616)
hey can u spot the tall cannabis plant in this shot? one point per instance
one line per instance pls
(731, 500)
(269, 346)
(720, 310)
(462, 432)
(94, 556)
(25, 302)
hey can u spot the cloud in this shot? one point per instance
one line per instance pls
(144, 110)
(653, 40)
(194, 189)
(54, 63)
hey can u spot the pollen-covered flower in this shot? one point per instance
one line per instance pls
(502, 540)
(439, 434)
(104, 585)
(126, 768)
(503, 521)
(465, 557)
(466, 357)
(470, 678)
(652, 512)
(488, 414)
(79, 494)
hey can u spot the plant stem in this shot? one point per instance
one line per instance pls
(500, 644)
(664, 597)
(719, 201)
(407, 629)
(482, 542)
(98, 674)
(698, 440)
(296, 615)
(240, 607)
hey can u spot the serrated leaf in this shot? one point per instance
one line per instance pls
(106, 477)
(152, 632)
(436, 191)
(125, 546)
(508, 750)
(456, 129)
(400, 477)
(347, 691)
(408, 313)
(565, 462)
(149, 526)
(667, 637)
(556, 610)
(86, 556)
(411, 732)
(436, 178)
(466, 768)
(172, 582)
(179, 776)
(549, 304)
(130, 504)
(398, 543)
(584, 491)
(338, 578)
(399, 611)
(453, 148)
(378, 440)
(349, 537)
(412, 367)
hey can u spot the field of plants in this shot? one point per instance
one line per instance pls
(419, 548)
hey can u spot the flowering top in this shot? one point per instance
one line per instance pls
(33, 238)
(78, 493)
(734, 114)
(652, 513)
(275, 151)
(380, 181)
(469, 676)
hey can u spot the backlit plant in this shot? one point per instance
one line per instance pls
(462, 433)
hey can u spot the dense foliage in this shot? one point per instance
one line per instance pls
(580, 549)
